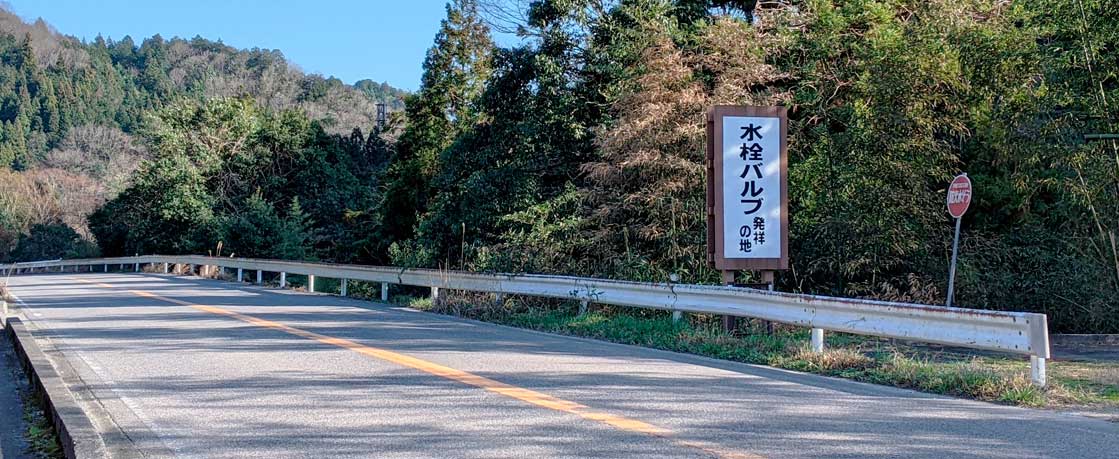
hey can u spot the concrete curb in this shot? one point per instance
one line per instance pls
(75, 431)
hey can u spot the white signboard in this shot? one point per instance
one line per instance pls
(748, 203)
(751, 187)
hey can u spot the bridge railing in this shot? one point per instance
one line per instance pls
(1012, 332)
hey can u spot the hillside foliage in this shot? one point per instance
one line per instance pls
(580, 149)
(76, 118)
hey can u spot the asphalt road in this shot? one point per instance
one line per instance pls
(198, 368)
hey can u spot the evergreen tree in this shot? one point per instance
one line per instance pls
(455, 71)
(295, 235)
(50, 242)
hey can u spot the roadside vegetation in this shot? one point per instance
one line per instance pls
(1091, 387)
(42, 440)
(580, 149)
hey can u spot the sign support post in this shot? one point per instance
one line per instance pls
(769, 278)
(730, 323)
(747, 194)
(952, 267)
(959, 198)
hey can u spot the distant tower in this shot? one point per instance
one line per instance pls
(381, 116)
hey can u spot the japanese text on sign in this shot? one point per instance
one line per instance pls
(751, 186)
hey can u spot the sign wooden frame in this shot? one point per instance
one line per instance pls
(715, 186)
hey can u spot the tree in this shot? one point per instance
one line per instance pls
(253, 231)
(50, 242)
(455, 70)
(295, 235)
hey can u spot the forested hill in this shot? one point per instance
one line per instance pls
(79, 119)
(580, 150)
(51, 83)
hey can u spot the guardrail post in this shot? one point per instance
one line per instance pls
(385, 291)
(240, 274)
(583, 305)
(817, 340)
(136, 268)
(677, 315)
(283, 279)
(434, 294)
(166, 268)
(1037, 370)
(343, 287)
(259, 277)
(310, 283)
(1039, 347)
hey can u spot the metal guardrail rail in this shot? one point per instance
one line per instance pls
(1013, 332)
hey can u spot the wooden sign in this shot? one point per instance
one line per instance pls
(747, 188)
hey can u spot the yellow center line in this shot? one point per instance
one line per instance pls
(498, 387)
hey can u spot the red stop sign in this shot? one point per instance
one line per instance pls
(959, 195)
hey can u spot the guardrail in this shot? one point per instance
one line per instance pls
(1013, 332)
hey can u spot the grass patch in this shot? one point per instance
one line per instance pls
(879, 361)
(42, 441)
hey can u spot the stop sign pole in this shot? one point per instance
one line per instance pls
(959, 198)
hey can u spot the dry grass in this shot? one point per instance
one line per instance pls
(1087, 387)
(831, 360)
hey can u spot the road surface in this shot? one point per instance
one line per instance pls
(201, 368)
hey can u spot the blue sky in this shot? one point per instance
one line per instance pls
(383, 40)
